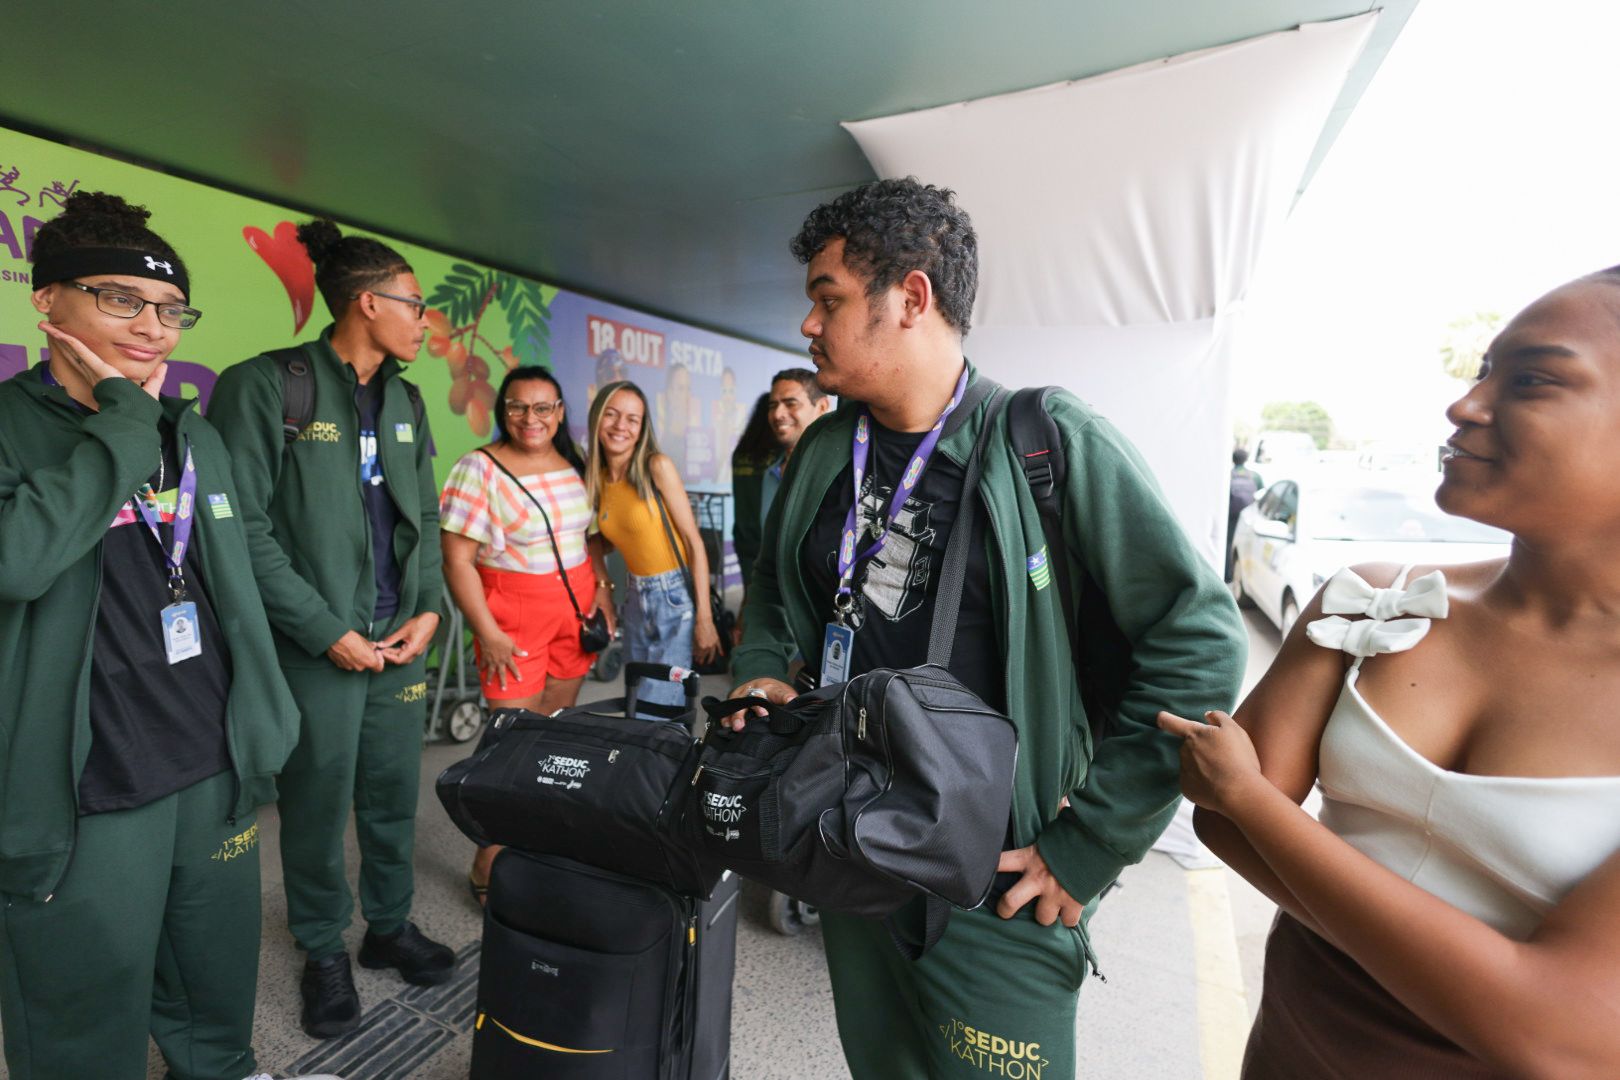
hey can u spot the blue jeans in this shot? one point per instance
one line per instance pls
(658, 618)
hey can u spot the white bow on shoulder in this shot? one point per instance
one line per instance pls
(1348, 594)
(1367, 637)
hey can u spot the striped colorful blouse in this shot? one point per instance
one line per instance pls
(481, 502)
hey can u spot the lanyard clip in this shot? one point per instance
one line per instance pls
(177, 587)
(843, 607)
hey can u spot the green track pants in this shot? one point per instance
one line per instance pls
(154, 930)
(360, 748)
(995, 998)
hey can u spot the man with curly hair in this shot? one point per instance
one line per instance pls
(892, 270)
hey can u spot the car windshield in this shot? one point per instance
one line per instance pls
(1385, 515)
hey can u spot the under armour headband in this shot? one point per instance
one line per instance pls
(85, 261)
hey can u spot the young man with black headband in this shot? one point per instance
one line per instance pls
(871, 497)
(142, 712)
(350, 573)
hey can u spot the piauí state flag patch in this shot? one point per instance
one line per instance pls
(220, 504)
(1040, 569)
(404, 433)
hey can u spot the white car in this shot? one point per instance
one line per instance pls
(1299, 533)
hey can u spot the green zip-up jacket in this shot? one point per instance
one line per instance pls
(1186, 640)
(63, 477)
(314, 558)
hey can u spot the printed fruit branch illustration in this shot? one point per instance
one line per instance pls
(456, 331)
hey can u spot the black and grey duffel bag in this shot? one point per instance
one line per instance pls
(861, 796)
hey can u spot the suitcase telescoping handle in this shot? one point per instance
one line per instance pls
(636, 672)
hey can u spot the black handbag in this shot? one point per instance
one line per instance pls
(862, 796)
(591, 783)
(594, 635)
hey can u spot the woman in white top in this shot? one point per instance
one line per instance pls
(1457, 910)
(514, 518)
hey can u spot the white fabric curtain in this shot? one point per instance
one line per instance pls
(1120, 218)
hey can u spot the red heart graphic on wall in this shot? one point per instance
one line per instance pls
(287, 257)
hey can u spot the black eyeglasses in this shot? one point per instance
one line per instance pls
(125, 306)
(419, 305)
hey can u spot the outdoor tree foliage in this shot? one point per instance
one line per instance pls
(1306, 416)
(1463, 347)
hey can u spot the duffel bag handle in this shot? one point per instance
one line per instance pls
(936, 915)
(781, 721)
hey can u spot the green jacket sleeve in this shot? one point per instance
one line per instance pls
(246, 410)
(430, 581)
(1187, 650)
(52, 517)
(746, 489)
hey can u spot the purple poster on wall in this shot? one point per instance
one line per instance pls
(700, 386)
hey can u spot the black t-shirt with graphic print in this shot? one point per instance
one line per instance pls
(894, 597)
(155, 727)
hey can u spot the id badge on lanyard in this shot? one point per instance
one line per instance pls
(182, 633)
(838, 642)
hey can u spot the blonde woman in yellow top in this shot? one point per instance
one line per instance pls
(642, 510)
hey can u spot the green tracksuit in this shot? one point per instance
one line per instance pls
(131, 921)
(361, 744)
(1016, 981)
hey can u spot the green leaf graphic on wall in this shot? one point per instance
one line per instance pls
(464, 317)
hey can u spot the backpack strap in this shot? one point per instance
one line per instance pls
(297, 391)
(1039, 445)
(418, 410)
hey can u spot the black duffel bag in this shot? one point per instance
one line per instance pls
(588, 784)
(862, 796)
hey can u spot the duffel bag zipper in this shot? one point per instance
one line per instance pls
(575, 738)
(943, 685)
(732, 775)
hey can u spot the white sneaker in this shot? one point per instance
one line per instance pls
(307, 1076)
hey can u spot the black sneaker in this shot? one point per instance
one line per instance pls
(419, 959)
(331, 1005)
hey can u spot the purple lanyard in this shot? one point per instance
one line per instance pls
(844, 602)
(175, 554)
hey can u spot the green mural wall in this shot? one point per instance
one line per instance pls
(255, 286)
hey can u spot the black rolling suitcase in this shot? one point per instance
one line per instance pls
(591, 975)
(587, 974)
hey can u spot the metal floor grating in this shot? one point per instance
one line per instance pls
(397, 1036)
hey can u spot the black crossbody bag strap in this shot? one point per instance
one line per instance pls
(555, 550)
(936, 913)
(953, 575)
(674, 545)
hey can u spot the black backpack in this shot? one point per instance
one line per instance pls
(298, 393)
(1039, 445)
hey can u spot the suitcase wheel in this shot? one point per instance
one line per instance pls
(788, 916)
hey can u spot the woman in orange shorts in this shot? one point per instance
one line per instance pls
(510, 580)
